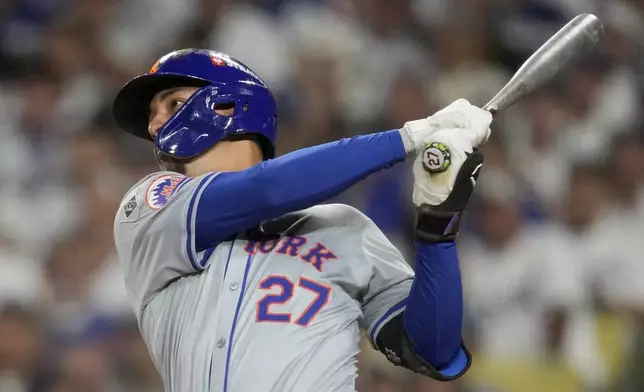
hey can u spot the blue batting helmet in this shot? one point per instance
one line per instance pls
(230, 82)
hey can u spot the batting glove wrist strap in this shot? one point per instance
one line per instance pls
(440, 223)
(436, 226)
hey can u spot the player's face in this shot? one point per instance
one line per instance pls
(228, 155)
(166, 102)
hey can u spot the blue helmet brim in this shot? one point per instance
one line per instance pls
(131, 106)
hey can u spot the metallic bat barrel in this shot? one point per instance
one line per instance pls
(575, 38)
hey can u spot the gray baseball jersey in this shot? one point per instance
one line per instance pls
(276, 309)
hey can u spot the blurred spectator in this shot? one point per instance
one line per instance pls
(255, 34)
(80, 91)
(534, 132)
(518, 295)
(21, 344)
(371, 50)
(23, 26)
(603, 101)
(33, 196)
(86, 368)
(208, 14)
(465, 73)
(134, 368)
(26, 286)
(83, 284)
(627, 177)
(574, 243)
(618, 256)
(619, 266)
(135, 45)
(315, 116)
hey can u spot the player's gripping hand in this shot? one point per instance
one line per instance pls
(459, 114)
(445, 174)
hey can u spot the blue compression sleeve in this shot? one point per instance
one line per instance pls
(237, 201)
(433, 318)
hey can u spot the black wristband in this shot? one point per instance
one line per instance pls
(437, 226)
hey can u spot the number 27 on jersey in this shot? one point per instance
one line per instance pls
(319, 299)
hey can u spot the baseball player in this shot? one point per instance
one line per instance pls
(240, 281)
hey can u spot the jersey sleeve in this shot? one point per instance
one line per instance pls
(385, 304)
(154, 233)
(389, 284)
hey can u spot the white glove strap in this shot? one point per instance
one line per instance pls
(413, 128)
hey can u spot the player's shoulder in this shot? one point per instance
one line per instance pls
(152, 193)
(339, 214)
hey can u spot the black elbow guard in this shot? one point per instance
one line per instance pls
(393, 342)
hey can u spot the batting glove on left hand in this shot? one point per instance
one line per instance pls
(459, 114)
(445, 174)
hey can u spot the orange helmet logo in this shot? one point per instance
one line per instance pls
(217, 61)
(155, 67)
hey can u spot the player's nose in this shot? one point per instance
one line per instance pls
(152, 130)
(154, 125)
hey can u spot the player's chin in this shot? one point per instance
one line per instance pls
(169, 163)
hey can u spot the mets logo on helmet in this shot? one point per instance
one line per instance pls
(161, 189)
(219, 59)
(155, 67)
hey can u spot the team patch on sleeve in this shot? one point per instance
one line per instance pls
(161, 189)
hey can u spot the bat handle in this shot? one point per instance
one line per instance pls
(491, 107)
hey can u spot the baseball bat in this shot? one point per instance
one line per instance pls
(578, 36)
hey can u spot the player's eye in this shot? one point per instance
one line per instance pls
(176, 104)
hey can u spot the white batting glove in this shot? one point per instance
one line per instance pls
(446, 152)
(445, 174)
(460, 114)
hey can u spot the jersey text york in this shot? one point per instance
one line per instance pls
(315, 254)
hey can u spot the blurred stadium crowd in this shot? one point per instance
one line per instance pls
(552, 251)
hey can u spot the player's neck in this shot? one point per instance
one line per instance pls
(226, 157)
